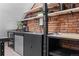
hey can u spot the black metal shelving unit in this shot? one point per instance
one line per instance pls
(2, 47)
(45, 18)
(54, 50)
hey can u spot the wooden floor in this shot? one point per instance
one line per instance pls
(9, 51)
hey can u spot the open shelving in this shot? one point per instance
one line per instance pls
(39, 8)
(56, 13)
(56, 48)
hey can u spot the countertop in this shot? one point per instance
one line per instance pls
(68, 36)
(21, 32)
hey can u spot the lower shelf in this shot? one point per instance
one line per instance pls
(64, 52)
(54, 54)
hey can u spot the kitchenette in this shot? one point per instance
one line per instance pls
(62, 36)
(28, 43)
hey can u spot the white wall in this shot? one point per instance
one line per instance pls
(10, 13)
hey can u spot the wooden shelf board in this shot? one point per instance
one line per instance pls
(32, 18)
(57, 13)
(54, 54)
(39, 8)
(65, 36)
(34, 9)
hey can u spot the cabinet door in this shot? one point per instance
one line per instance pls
(36, 48)
(19, 44)
(27, 45)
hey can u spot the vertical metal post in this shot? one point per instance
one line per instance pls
(45, 41)
(61, 6)
(72, 5)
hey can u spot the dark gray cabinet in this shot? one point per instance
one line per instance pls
(36, 45)
(28, 44)
(33, 45)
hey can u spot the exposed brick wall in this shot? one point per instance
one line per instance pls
(68, 23)
(63, 23)
(74, 45)
(34, 26)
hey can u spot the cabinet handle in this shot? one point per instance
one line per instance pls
(31, 46)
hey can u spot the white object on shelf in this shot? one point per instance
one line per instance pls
(40, 14)
(41, 21)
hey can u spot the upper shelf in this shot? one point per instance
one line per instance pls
(34, 9)
(56, 13)
(39, 8)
